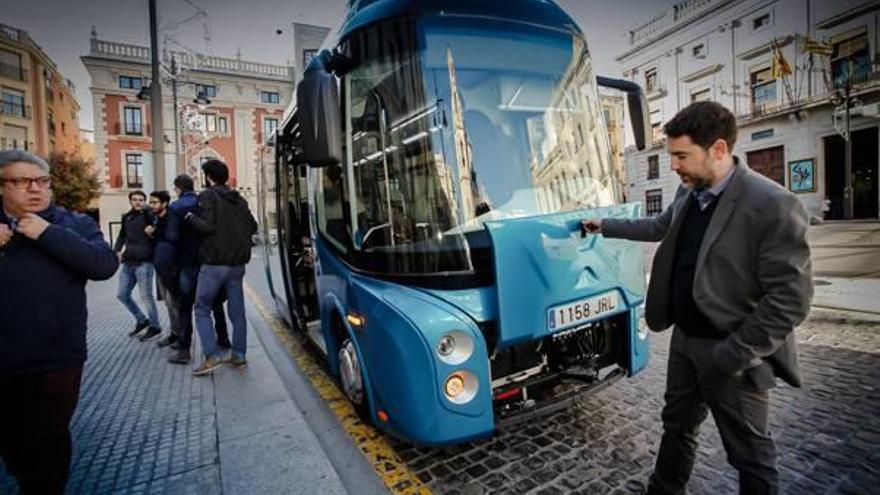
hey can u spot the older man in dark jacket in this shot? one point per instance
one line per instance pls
(46, 255)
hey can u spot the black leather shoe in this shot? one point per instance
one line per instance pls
(151, 334)
(138, 328)
(178, 345)
(170, 339)
(182, 357)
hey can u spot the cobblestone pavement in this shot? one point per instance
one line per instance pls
(143, 426)
(828, 432)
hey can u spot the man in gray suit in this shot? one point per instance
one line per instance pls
(732, 273)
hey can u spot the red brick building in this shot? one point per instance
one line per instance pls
(225, 108)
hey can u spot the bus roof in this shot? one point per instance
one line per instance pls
(362, 13)
(537, 12)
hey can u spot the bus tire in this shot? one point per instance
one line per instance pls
(351, 377)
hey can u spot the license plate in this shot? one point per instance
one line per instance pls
(582, 311)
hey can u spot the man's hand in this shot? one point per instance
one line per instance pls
(591, 226)
(149, 230)
(119, 255)
(5, 234)
(32, 226)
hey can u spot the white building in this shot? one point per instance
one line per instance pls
(724, 50)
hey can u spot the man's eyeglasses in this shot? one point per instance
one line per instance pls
(26, 182)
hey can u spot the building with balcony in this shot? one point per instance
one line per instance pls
(38, 107)
(783, 67)
(224, 108)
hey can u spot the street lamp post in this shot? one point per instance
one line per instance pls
(847, 156)
(176, 119)
(156, 105)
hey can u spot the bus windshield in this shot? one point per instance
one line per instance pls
(475, 121)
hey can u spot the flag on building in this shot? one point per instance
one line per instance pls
(817, 47)
(780, 65)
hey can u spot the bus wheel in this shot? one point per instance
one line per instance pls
(352, 379)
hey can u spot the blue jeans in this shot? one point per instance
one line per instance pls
(213, 279)
(140, 274)
(187, 278)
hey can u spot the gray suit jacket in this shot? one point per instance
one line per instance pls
(753, 278)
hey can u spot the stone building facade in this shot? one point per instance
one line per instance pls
(225, 109)
(782, 67)
(39, 111)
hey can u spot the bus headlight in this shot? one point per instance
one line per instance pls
(461, 387)
(455, 347)
(446, 345)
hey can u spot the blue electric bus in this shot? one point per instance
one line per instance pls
(425, 198)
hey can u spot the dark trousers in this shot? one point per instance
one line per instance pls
(35, 428)
(188, 278)
(695, 386)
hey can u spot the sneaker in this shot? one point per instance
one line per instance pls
(208, 366)
(151, 334)
(138, 327)
(224, 344)
(181, 357)
(168, 340)
(236, 360)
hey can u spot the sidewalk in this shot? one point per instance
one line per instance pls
(851, 294)
(146, 426)
(846, 265)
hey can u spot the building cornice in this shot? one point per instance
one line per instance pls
(852, 13)
(193, 63)
(671, 21)
(693, 76)
(766, 47)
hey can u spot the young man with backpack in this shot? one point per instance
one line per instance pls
(227, 225)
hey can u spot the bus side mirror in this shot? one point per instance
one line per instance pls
(320, 117)
(637, 105)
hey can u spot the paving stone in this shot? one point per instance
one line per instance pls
(607, 442)
(130, 399)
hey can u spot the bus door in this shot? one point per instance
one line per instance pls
(296, 239)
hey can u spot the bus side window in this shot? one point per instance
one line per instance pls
(332, 208)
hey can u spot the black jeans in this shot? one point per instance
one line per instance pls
(35, 428)
(695, 386)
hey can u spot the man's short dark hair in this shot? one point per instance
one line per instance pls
(162, 196)
(704, 122)
(216, 171)
(184, 183)
(137, 193)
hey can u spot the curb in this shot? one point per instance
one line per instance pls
(356, 474)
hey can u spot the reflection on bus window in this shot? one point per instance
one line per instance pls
(455, 125)
(332, 208)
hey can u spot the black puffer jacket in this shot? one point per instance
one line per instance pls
(227, 224)
(138, 245)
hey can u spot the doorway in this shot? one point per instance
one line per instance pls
(864, 174)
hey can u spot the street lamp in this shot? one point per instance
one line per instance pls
(201, 99)
(844, 96)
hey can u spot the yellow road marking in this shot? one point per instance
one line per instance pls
(399, 479)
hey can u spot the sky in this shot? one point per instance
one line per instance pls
(62, 28)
